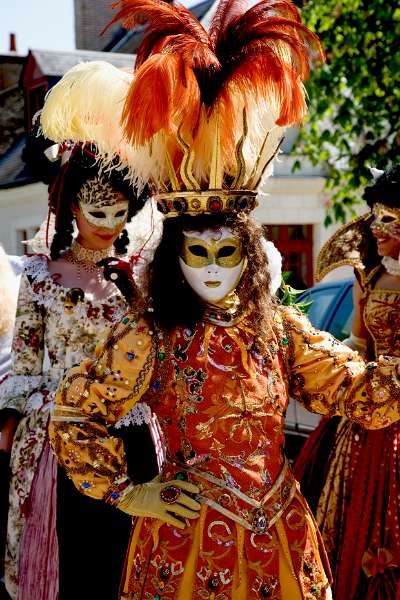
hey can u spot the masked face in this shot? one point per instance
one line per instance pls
(101, 213)
(212, 262)
(101, 205)
(105, 217)
(386, 230)
(386, 220)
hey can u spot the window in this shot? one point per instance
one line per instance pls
(295, 243)
(24, 235)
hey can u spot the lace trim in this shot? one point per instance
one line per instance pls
(36, 268)
(391, 265)
(16, 386)
(140, 414)
(39, 401)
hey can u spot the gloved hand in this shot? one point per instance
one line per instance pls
(119, 272)
(146, 500)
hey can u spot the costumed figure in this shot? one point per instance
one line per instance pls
(350, 476)
(56, 544)
(10, 270)
(215, 355)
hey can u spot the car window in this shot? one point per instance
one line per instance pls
(299, 419)
(322, 302)
(340, 325)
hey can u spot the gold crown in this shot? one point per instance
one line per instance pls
(210, 202)
(226, 193)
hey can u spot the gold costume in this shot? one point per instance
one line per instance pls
(265, 542)
(348, 474)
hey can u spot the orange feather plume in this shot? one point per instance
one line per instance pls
(165, 94)
(157, 101)
(256, 58)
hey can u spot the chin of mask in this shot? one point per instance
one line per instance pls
(212, 262)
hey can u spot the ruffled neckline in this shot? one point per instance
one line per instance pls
(37, 269)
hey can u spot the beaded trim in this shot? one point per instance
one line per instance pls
(115, 490)
(82, 254)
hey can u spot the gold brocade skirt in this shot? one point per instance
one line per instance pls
(246, 570)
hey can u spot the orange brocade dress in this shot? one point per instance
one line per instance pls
(221, 406)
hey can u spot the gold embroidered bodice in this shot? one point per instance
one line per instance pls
(382, 319)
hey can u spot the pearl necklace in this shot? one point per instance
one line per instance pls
(86, 259)
(391, 265)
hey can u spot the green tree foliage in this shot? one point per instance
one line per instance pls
(354, 118)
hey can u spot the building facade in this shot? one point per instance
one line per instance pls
(292, 205)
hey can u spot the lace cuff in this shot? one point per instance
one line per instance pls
(140, 414)
(15, 390)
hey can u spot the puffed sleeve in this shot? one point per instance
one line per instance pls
(329, 378)
(95, 395)
(26, 352)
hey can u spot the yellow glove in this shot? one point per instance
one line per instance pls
(164, 501)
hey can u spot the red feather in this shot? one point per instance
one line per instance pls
(226, 11)
(264, 51)
(165, 93)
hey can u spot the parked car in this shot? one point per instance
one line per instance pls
(331, 310)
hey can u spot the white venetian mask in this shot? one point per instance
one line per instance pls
(212, 262)
(105, 217)
(101, 205)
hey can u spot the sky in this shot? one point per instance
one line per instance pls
(39, 24)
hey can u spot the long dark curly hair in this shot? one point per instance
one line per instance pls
(64, 185)
(385, 189)
(173, 300)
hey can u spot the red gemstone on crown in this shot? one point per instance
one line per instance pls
(215, 203)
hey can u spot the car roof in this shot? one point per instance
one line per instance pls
(331, 284)
(336, 290)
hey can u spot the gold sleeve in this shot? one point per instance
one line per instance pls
(328, 378)
(95, 395)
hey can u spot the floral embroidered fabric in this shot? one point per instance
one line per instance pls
(52, 333)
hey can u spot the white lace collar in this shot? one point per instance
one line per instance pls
(37, 269)
(391, 265)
